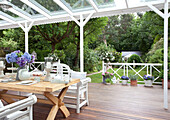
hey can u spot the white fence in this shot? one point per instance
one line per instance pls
(126, 66)
(37, 65)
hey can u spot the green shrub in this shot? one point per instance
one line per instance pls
(108, 54)
(91, 60)
(135, 58)
(41, 54)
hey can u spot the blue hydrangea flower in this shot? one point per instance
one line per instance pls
(17, 51)
(14, 57)
(27, 56)
(8, 58)
(21, 61)
(125, 77)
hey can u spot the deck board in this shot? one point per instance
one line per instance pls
(116, 102)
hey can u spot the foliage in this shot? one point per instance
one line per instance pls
(20, 58)
(133, 77)
(57, 54)
(108, 54)
(91, 62)
(135, 58)
(5, 41)
(124, 77)
(148, 77)
(161, 74)
(108, 75)
(108, 80)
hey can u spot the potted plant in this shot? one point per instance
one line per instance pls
(124, 80)
(148, 80)
(107, 75)
(133, 80)
(109, 81)
(161, 75)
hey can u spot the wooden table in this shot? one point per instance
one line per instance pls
(44, 88)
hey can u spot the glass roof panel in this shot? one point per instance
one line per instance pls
(24, 7)
(105, 3)
(49, 5)
(77, 4)
(9, 13)
(137, 3)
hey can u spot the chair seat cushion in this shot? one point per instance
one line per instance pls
(79, 75)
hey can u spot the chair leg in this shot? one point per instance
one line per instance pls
(86, 95)
(78, 101)
(30, 112)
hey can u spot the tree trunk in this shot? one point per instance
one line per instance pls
(53, 47)
(77, 54)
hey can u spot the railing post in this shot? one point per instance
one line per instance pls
(127, 69)
(150, 69)
(147, 69)
(124, 69)
(103, 66)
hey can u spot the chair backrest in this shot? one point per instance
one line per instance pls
(61, 70)
(17, 106)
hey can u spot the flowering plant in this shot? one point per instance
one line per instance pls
(20, 58)
(148, 77)
(107, 74)
(124, 77)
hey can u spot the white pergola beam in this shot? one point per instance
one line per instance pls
(75, 20)
(7, 17)
(93, 4)
(19, 13)
(156, 10)
(88, 18)
(38, 8)
(127, 5)
(63, 6)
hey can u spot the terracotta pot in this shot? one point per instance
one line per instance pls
(163, 83)
(133, 82)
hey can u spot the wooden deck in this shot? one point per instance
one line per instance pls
(116, 102)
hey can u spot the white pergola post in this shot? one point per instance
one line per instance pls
(166, 16)
(26, 38)
(81, 24)
(26, 28)
(81, 44)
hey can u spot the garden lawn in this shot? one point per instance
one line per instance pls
(97, 78)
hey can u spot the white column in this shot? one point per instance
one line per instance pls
(26, 28)
(81, 45)
(166, 55)
(26, 41)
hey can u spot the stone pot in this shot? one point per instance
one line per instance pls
(133, 82)
(163, 83)
(124, 82)
(148, 83)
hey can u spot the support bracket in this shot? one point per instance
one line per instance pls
(26, 27)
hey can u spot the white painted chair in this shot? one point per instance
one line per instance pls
(13, 111)
(80, 90)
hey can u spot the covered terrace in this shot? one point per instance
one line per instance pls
(27, 13)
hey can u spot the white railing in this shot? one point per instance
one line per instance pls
(125, 66)
(37, 65)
